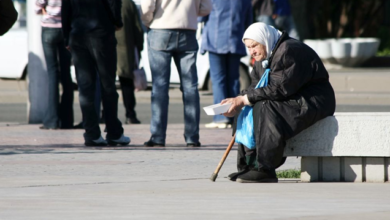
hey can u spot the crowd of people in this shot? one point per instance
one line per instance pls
(288, 93)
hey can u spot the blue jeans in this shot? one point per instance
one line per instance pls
(182, 46)
(267, 19)
(93, 54)
(225, 78)
(287, 23)
(58, 114)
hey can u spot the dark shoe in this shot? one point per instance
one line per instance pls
(132, 121)
(98, 142)
(123, 140)
(47, 128)
(233, 176)
(258, 176)
(79, 126)
(193, 144)
(153, 144)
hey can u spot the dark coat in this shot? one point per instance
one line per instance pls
(128, 38)
(298, 95)
(90, 18)
(8, 15)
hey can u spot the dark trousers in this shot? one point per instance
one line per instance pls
(270, 142)
(58, 113)
(93, 54)
(127, 87)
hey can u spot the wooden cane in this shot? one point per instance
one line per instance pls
(215, 174)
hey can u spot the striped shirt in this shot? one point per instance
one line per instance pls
(52, 18)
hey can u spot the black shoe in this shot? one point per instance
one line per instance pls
(233, 176)
(258, 176)
(150, 143)
(79, 126)
(132, 121)
(47, 128)
(193, 144)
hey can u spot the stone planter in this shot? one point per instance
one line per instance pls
(349, 52)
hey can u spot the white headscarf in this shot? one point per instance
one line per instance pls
(263, 34)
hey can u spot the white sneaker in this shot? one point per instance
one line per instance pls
(98, 142)
(218, 125)
(123, 140)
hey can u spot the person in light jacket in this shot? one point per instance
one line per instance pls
(172, 28)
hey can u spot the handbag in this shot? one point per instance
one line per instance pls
(244, 133)
(139, 76)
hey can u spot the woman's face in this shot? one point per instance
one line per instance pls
(256, 50)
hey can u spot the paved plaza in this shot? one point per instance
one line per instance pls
(51, 175)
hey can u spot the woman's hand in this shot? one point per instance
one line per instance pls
(237, 103)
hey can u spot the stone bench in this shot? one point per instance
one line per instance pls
(347, 147)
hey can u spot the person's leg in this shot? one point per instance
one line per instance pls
(127, 87)
(103, 50)
(287, 24)
(160, 67)
(66, 104)
(266, 19)
(219, 78)
(232, 77)
(49, 39)
(185, 60)
(86, 80)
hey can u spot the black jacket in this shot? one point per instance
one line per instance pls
(90, 17)
(298, 88)
(8, 15)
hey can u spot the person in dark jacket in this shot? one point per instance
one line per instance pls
(8, 15)
(89, 31)
(298, 95)
(131, 37)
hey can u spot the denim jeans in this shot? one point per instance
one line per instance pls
(225, 78)
(93, 54)
(287, 24)
(58, 114)
(267, 19)
(182, 46)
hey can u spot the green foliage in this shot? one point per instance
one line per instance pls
(293, 173)
(384, 52)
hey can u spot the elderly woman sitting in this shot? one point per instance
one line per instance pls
(297, 95)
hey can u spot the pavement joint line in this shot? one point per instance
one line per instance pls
(281, 180)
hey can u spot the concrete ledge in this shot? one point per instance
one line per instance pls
(345, 134)
(345, 169)
(347, 147)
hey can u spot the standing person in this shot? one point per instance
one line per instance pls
(221, 37)
(283, 18)
(264, 11)
(297, 95)
(172, 34)
(89, 31)
(59, 112)
(8, 15)
(131, 37)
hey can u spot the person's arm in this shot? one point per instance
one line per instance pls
(147, 11)
(66, 15)
(117, 12)
(8, 15)
(287, 79)
(205, 8)
(139, 33)
(40, 6)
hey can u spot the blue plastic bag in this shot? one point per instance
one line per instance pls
(244, 132)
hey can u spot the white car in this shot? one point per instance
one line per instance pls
(14, 59)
